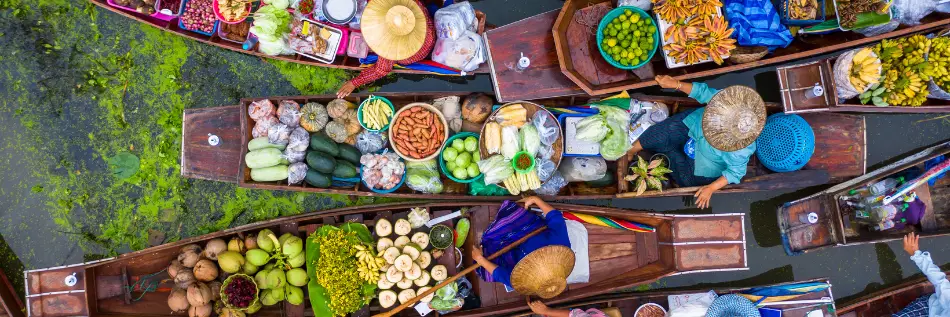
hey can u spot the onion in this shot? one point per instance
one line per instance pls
(206, 270)
(174, 268)
(214, 247)
(177, 301)
(199, 294)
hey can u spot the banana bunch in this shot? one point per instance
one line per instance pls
(368, 264)
(512, 115)
(904, 88)
(906, 69)
(940, 58)
(865, 69)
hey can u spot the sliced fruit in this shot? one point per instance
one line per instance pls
(405, 283)
(422, 239)
(384, 283)
(383, 244)
(423, 280)
(387, 298)
(401, 242)
(414, 273)
(406, 295)
(425, 258)
(393, 275)
(412, 250)
(402, 227)
(403, 263)
(428, 298)
(439, 273)
(383, 227)
(391, 254)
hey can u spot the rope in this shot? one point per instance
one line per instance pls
(144, 287)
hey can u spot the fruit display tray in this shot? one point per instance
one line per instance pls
(670, 62)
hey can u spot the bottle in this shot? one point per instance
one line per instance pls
(882, 213)
(884, 186)
(887, 224)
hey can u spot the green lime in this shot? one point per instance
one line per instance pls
(637, 33)
(627, 12)
(634, 18)
(625, 25)
(637, 51)
(625, 43)
(612, 42)
(624, 61)
(651, 29)
(621, 36)
(613, 32)
(650, 40)
(622, 18)
(615, 49)
(635, 61)
(643, 56)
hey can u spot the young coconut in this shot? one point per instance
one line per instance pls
(425, 258)
(257, 257)
(293, 294)
(391, 254)
(174, 268)
(414, 273)
(250, 242)
(402, 227)
(412, 250)
(297, 277)
(214, 247)
(237, 245)
(231, 262)
(406, 295)
(189, 256)
(384, 283)
(298, 260)
(255, 307)
(383, 227)
(276, 278)
(249, 269)
(401, 241)
(421, 239)
(383, 244)
(264, 242)
(387, 298)
(206, 270)
(184, 279)
(261, 279)
(404, 284)
(227, 312)
(292, 246)
(428, 298)
(199, 294)
(403, 263)
(393, 275)
(439, 273)
(215, 287)
(200, 311)
(423, 279)
(178, 300)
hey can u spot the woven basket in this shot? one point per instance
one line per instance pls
(746, 54)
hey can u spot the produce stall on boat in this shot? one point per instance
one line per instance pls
(310, 32)
(564, 50)
(217, 145)
(887, 301)
(256, 268)
(909, 195)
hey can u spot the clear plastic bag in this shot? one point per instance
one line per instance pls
(279, 134)
(495, 169)
(424, 176)
(545, 168)
(547, 128)
(294, 156)
(645, 5)
(289, 113)
(878, 29)
(530, 140)
(296, 172)
(910, 12)
(592, 129)
(842, 74)
(451, 21)
(465, 53)
(583, 169)
(262, 127)
(299, 140)
(370, 142)
(451, 110)
(546, 152)
(552, 186)
(260, 109)
(510, 143)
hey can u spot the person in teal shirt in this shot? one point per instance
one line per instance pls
(720, 155)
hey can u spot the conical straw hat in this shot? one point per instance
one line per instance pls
(543, 272)
(394, 29)
(734, 118)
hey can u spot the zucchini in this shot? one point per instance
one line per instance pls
(349, 153)
(263, 158)
(317, 179)
(263, 143)
(321, 142)
(345, 169)
(269, 174)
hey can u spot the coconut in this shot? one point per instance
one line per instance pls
(276, 279)
(266, 299)
(292, 246)
(236, 244)
(185, 278)
(264, 242)
(227, 312)
(298, 260)
(199, 294)
(297, 277)
(190, 255)
(284, 237)
(249, 268)
(200, 311)
(257, 257)
(174, 268)
(214, 247)
(261, 279)
(178, 300)
(206, 270)
(293, 294)
(255, 306)
(250, 242)
(230, 261)
(215, 287)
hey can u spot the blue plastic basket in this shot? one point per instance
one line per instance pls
(786, 143)
(615, 13)
(787, 20)
(181, 23)
(382, 191)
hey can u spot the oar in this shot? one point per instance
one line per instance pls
(457, 276)
(789, 180)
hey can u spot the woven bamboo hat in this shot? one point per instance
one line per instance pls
(734, 118)
(394, 29)
(543, 272)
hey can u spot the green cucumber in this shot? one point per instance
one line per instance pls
(321, 162)
(345, 169)
(461, 229)
(349, 153)
(321, 142)
(317, 179)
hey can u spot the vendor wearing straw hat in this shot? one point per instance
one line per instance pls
(399, 31)
(538, 266)
(720, 137)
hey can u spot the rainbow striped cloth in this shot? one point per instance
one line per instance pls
(608, 222)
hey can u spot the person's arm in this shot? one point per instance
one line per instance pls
(370, 74)
(699, 91)
(927, 266)
(704, 194)
(499, 274)
(536, 201)
(541, 309)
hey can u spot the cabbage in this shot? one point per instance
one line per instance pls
(592, 129)
(271, 24)
(530, 140)
(279, 4)
(616, 144)
(424, 177)
(495, 169)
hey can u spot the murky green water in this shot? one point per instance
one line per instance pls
(80, 85)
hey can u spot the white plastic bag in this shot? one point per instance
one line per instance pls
(577, 234)
(370, 142)
(552, 186)
(510, 142)
(910, 12)
(465, 53)
(450, 107)
(453, 20)
(547, 128)
(583, 169)
(646, 5)
(544, 168)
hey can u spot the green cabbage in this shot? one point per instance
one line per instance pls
(530, 140)
(424, 176)
(592, 129)
(271, 24)
(616, 144)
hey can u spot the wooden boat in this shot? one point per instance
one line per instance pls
(840, 151)
(682, 244)
(342, 62)
(10, 303)
(887, 301)
(545, 77)
(836, 227)
(626, 303)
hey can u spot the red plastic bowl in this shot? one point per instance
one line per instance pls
(217, 13)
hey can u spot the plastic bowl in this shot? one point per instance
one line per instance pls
(359, 113)
(445, 170)
(609, 17)
(217, 13)
(514, 163)
(441, 121)
(383, 191)
(181, 23)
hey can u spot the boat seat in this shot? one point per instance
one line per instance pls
(612, 312)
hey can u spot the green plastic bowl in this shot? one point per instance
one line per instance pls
(359, 113)
(445, 170)
(514, 163)
(615, 13)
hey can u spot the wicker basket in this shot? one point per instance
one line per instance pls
(747, 54)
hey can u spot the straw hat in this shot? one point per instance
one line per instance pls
(543, 272)
(394, 29)
(734, 118)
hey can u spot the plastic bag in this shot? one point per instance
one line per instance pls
(424, 176)
(544, 168)
(547, 128)
(289, 113)
(878, 29)
(842, 73)
(299, 140)
(552, 186)
(592, 129)
(910, 12)
(370, 142)
(451, 21)
(510, 144)
(645, 5)
(530, 141)
(495, 169)
(479, 188)
(583, 169)
(261, 127)
(546, 152)
(296, 172)
(279, 134)
(451, 110)
(465, 53)
(355, 22)
(260, 109)
(294, 156)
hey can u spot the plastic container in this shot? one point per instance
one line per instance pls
(445, 170)
(889, 18)
(786, 143)
(223, 35)
(341, 21)
(357, 47)
(217, 13)
(383, 191)
(333, 43)
(787, 20)
(637, 313)
(615, 13)
(166, 15)
(181, 24)
(359, 113)
(572, 146)
(124, 8)
(514, 163)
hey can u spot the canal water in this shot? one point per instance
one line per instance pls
(79, 85)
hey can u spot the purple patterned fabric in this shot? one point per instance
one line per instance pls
(511, 223)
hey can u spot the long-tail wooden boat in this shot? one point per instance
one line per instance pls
(840, 151)
(544, 78)
(342, 62)
(618, 259)
(836, 227)
(10, 303)
(626, 303)
(887, 301)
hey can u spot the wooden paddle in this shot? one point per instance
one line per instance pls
(789, 180)
(457, 276)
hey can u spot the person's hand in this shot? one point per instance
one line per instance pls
(910, 243)
(345, 90)
(477, 254)
(530, 201)
(537, 306)
(703, 195)
(668, 82)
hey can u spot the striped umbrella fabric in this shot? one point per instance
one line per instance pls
(608, 222)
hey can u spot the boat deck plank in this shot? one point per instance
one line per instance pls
(202, 160)
(803, 236)
(840, 145)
